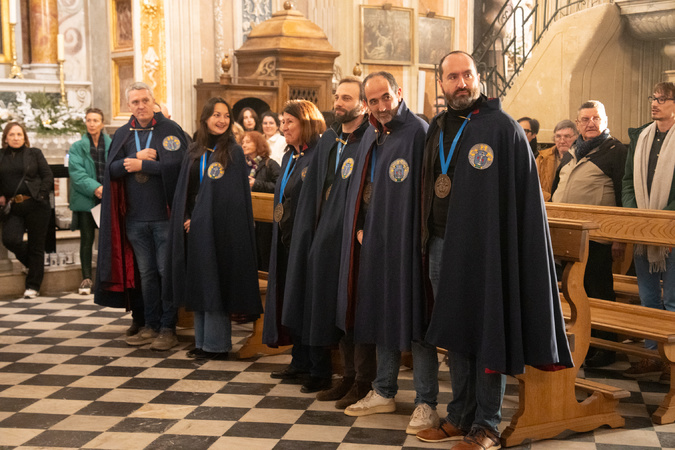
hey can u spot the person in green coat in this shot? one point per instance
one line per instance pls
(86, 166)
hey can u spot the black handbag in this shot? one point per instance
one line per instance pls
(8, 206)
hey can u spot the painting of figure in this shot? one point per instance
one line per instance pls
(435, 38)
(386, 35)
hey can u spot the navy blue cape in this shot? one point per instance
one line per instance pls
(274, 334)
(312, 281)
(498, 295)
(381, 290)
(117, 284)
(216, 269)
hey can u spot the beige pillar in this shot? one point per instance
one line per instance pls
(44, 26)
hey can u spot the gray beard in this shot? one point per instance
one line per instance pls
(462, 102)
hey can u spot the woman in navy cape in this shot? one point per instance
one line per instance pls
(212, 256)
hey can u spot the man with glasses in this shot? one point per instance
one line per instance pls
(648, 184)
(565, 134)
(591, 174)
(531, 128)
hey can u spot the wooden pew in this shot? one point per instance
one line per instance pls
(645, 227)
(263, 207)
(547, 400)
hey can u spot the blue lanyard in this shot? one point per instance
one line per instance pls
(287, 175)
(445, 162)
(373, 161)
(341, 144)
(202, 164)
(138, 141)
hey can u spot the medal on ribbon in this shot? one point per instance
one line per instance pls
(443, 184)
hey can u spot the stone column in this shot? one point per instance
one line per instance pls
(44, 27)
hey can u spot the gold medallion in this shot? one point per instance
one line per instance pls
(367, 193)
(442, 186)
(141, 177)
(328, 191)
(278, 212)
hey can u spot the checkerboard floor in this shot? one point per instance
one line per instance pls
(68, 380)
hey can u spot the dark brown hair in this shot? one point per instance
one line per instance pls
(95, 111)
(240, 119)
(310, 118)
(262, 148)
(225, 141)
(5, 132)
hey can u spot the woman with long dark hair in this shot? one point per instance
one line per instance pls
(25, 183)
(212, 254)
(248, 119)
(302, 126)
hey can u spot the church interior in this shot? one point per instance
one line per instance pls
(67, 378)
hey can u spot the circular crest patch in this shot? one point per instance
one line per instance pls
(399, 170)
(171, 143)
(215, 170)
(347, 168)
(303, 174)
(481, 156)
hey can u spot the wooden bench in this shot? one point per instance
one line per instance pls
(548, 403)
(645, 227)
(263, 207)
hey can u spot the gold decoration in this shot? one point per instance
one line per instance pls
(15, 71)
(153, 48)
(288, 5)
(357, 70)
(226, 64)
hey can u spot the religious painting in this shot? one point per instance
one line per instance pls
(435, 39)
(386, 35)
(123, 72)
(123, 37)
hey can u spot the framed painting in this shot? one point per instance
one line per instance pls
(435, 38)
(386, 35)
(122, 28)
(123, 76)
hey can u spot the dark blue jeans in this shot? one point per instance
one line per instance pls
(476, 396)
(149, 241)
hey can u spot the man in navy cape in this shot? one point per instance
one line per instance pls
(140, 178)
(483, 220)
(381, 292)
(312, 279)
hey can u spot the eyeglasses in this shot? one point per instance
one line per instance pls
(659, 100)
(585, 120)
(526, 130)
(563, 136)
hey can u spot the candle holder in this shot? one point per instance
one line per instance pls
(15, 71)
(62, 81)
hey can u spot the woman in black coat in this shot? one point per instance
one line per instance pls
(25, 182)
(262, 178)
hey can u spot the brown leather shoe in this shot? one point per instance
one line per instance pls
(445, 431)
(478, 439)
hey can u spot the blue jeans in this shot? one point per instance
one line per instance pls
(149, 241)
(649, 286)
(213, 331)
(425, 372)
(476, 396)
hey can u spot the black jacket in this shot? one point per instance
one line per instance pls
(266, 176)
(39, 178)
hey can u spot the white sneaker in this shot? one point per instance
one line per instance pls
(372, 403)
(422, 418)
(30, 293)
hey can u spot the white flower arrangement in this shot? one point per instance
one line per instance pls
(42, 113)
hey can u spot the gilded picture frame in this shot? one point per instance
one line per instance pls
(5, 43)
(435, 39)
(123, 76)
(386, 35)
(122, 28)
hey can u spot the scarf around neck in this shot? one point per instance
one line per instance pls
(583, 147)
(658, 197)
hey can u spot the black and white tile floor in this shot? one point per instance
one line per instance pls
(68, 380)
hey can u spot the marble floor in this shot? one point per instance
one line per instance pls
(68, 380)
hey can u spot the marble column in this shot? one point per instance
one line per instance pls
(44, 27)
